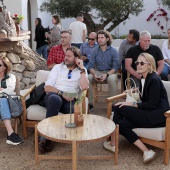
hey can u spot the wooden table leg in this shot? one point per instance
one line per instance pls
(116, 144)
(74, 155)
(36, 145)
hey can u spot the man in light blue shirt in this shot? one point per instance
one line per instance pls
(87, 47)
(103, 64)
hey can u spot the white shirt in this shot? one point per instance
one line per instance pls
(77, 28)
(165, 50)
(58, 78)
(10, 84)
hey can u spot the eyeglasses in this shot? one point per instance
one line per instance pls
(1, 65)
(91, 39)
(141, 63)
(63, 37)
(69, 74)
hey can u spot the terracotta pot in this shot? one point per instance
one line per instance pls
(77, 111)
(17, 26)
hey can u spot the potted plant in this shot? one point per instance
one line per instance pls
(78, 112)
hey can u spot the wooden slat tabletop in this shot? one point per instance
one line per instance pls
(95, 128)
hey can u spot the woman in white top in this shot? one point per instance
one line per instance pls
(166, 54)
(7, 85)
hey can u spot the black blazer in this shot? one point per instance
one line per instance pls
(154, 99)
(40, 36)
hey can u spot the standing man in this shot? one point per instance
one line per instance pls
(104, 61)
(79, 31)
(144, 46)
(131, 40)
(87, 47)
(67, 76)
(57, 53)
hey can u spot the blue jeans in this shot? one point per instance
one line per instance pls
(56, 104)
(4, 109)
(165, 72)
(42, 50)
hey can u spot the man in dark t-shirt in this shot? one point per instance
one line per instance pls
(144, 46)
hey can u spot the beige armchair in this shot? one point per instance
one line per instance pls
(35, 113)
(158, 137)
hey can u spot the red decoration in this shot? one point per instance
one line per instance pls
(162, 13)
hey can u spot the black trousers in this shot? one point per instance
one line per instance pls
(128, 118)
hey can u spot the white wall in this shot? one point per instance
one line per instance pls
(140, 22)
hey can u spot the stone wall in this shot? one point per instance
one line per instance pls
(25, 62)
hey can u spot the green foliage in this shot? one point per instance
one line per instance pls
(97, 13)
(166, 2)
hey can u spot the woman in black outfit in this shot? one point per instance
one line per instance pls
(149, 113)
(40, 38)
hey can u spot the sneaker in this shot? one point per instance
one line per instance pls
(90, 107)
(14, 139)
(107, 146)
(148, 156)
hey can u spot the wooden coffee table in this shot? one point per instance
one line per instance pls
(95, 128)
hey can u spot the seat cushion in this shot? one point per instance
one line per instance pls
(36, 112)
(157, 134)
(41, 76)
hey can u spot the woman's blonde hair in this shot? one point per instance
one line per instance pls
(6, 63)
(150, 60)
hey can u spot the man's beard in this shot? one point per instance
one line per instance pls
(69, 64)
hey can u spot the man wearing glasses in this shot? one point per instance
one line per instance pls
(144, 46)
(87, 47)
(57, 53)
(103, 64)
(69, 76)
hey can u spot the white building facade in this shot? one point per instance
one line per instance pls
(30, 10)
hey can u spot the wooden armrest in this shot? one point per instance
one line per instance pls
(110, 100)
(23, 96)
(167, 114)
(120, 96)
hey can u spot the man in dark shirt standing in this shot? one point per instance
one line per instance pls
(144, 46)
(103, 64)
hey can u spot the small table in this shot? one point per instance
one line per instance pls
(95, 128)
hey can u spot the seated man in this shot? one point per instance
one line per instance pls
(105, 60)
(67, 76)
(87, 47)
(144, 46)
(57, 53)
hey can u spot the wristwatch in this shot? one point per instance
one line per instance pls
(60, 93)
(134, 103)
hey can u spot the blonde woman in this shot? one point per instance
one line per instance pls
(166, 54)
(149, 113)
(7, 85)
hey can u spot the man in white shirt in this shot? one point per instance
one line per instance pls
(79, 31)
(68, 76)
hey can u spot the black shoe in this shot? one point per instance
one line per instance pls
(90, 107)
(48, 146)
(41, 146)
(14, 139)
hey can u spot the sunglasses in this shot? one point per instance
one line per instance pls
(69, 74)
(1, 65)
(91, 39)
(141, 63)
